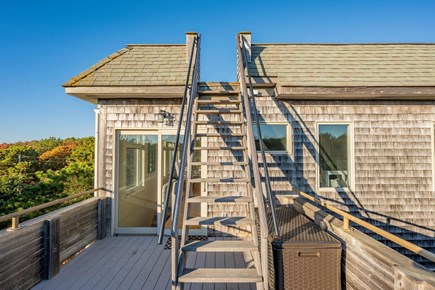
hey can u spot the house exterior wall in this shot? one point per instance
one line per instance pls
(125, 114)
(140, 114)
(392, 160)
(392, 156)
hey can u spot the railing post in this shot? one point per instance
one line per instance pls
(346, 224)
(101, 224)
(51, 247)
(15, 224)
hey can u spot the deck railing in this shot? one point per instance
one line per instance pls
(15, 217)
(35, 249)
(348, 217)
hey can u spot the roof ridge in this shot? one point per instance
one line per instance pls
(95, 67)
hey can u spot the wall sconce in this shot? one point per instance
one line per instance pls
(165, 117)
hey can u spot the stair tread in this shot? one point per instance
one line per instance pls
(218, 102)
(220, 246)
(221, 148)
(219, 111)
(217, 92)
(224, 179)
(264, 85)
(226, 221)
(218, 199)
(219, 275)
(220, 163)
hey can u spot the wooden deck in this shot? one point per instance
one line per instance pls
(136, 262)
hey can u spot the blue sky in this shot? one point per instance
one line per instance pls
(44, 43)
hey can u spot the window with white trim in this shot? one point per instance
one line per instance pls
(334, 155)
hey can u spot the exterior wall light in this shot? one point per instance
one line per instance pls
(165, 117)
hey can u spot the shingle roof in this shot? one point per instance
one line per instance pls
(137, 65)
(345, 64)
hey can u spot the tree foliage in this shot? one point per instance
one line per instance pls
(36, 172)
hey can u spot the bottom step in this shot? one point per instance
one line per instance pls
(214, 275)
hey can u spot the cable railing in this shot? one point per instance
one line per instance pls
(193, 58)
(348, 217)
(249, 102)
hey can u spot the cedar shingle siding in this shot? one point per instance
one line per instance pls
(392, 158)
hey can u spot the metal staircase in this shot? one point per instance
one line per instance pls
(221, 114)
(212, 110)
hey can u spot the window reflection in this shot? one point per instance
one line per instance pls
(334, 155)
(274, 137)
(137, 181)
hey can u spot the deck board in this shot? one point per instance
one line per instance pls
(220, 263)
(135, 262)
(90, 279)
(116, 275)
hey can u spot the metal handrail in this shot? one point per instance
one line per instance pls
(348, 217)
(177, 141)
(164, 188)
(186, 148)
(186, 143)
(270, 198)
(264, 229)
(16, 215)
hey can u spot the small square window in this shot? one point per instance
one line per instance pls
(274, 137)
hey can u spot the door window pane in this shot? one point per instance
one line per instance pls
(168, 145)
(274, 137)
(133, 168)
(334, 155)
(137, 181)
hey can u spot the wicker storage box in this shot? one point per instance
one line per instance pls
(305, 257)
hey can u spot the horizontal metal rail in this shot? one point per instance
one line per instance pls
(348, 217)
(16, 215)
